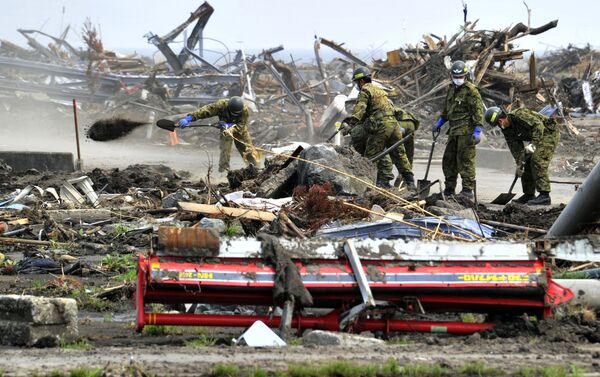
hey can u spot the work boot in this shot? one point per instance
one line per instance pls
(448, 192)
(524, 198)
(466, 193)
(383, 184)
(542, 199)
(409, 181)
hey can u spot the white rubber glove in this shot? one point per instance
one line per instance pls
(529, 148)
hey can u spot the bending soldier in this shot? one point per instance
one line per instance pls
(375, 113)
(541, 135)
(233, 121)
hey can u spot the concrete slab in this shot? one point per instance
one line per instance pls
(38, 310)
(328, 338)
(14, 333)
(50, 161)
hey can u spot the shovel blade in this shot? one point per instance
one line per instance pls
(503, 198)
(166, 124)
(423, 187)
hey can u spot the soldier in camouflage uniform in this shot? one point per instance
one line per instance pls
(409, 123)
(464, 110)
(233, 121)
(375, 113)
(542, 134)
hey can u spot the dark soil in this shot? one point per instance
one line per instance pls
(532, 216)
(111, 129)
(141, 176)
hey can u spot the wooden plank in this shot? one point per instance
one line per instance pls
(208, 209)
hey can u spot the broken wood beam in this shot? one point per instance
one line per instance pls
(207, 209)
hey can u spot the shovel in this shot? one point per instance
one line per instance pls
(506, 197)
(170, 125)
(424, 185)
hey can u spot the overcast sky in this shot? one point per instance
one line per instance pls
(362, 25)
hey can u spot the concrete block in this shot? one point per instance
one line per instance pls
(328, 338)
(38, 310)
(50, 161)
(13, 333)
(77, 215)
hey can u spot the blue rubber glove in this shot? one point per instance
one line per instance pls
(440, 122)
(185, 121)
(476, 137)
(224, 125)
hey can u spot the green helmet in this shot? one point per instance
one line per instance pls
(235, 105)
(459, 69)
(492, 114)
(360, 73)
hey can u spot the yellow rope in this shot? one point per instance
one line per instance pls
(367, 183)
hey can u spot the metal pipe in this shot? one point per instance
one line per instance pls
(583, 208)
(586, 291)
(76, 128)
(326, 322)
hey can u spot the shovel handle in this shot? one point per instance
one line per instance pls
(513, 184)
(435, 135)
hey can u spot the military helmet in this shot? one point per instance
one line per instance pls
(235, 105)
(360, 73)
(492, 114)
(459, 69)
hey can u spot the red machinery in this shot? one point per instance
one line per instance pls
(414, 280)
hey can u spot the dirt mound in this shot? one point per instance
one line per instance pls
(111, 129)
(142, 176)
(538, 217)
(573, 328)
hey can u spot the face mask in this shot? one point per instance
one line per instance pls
(356, 87)
(458, 82)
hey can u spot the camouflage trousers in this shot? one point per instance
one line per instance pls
(380, 137)
(459, 158)
(535, 176)
(358, 140)
(248, 153)
(409, 146)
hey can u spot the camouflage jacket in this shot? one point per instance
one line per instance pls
(219, 108)
(407, 120)
(463, 109)
(526, 125)
(372, 105)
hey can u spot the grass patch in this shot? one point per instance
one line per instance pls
(86, 299)
(118, 262)
(81, 345)
(85, 372)
(202, 341)
(233, 229)
(108, 317)
(468, 318)
(130, 275)
(258, 372)
(419, 370)
(159, 330)
(37, 284)
(120, 229)
(479, 368)
(225, 370)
